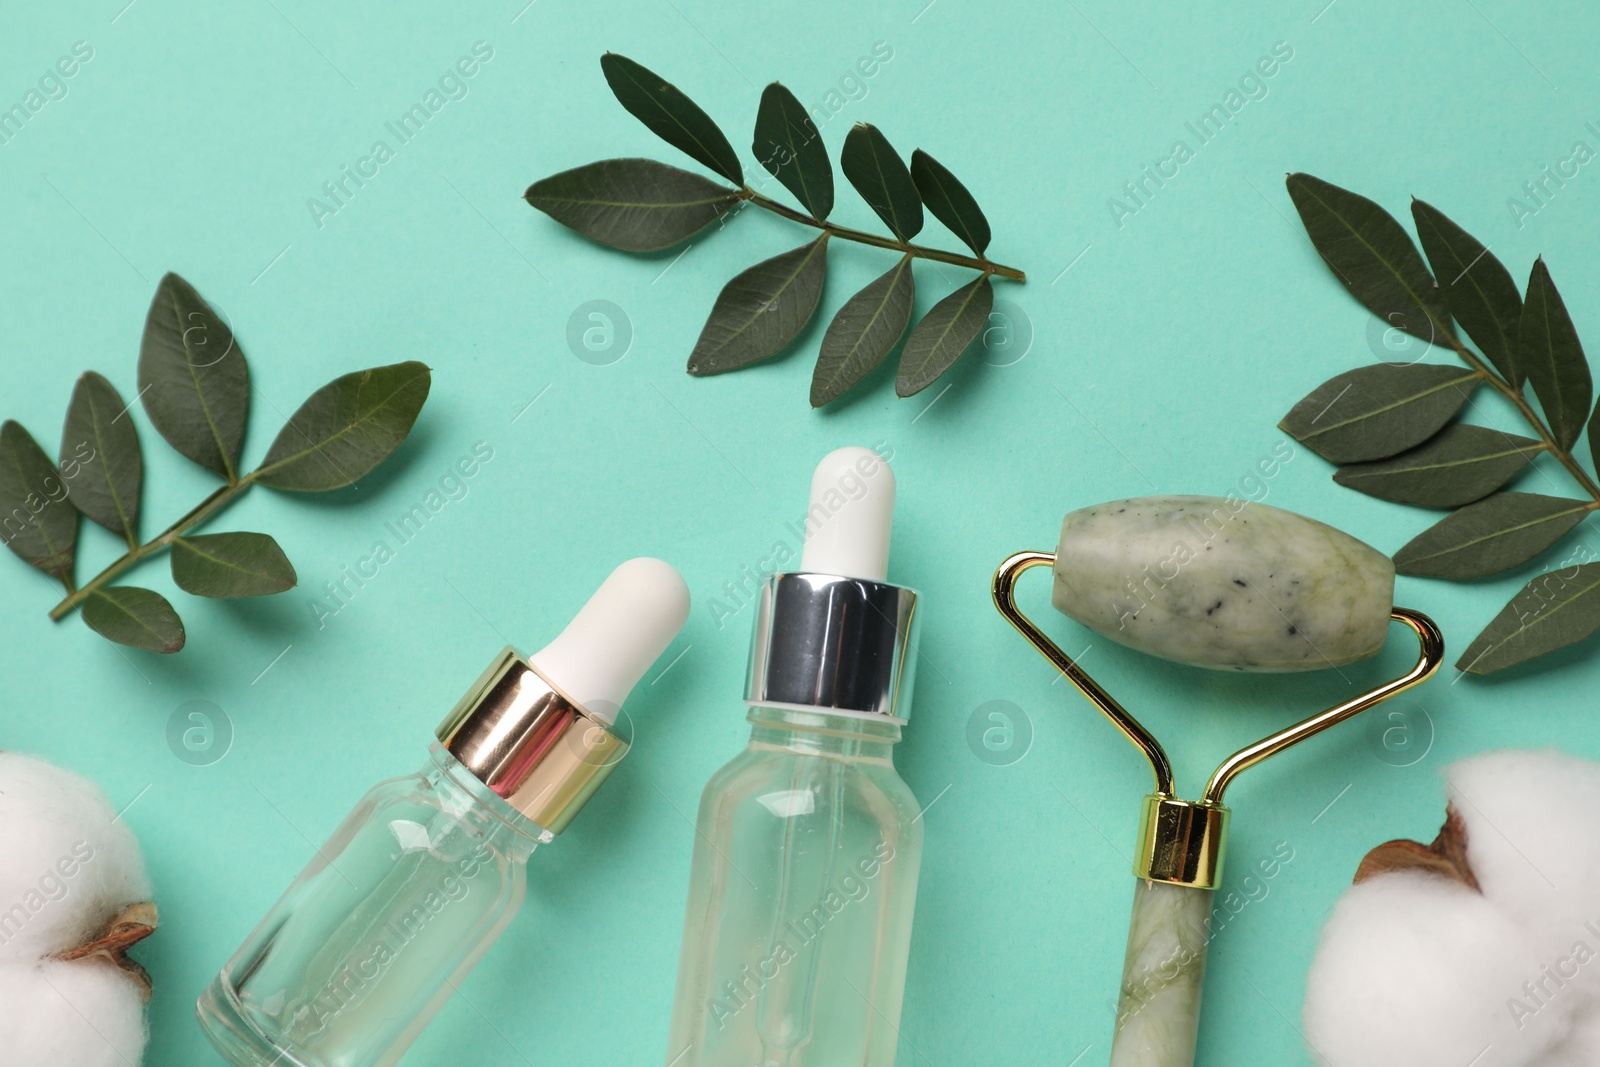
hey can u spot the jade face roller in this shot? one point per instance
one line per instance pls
(1227, 585)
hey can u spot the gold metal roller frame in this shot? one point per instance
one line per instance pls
(1182, 842)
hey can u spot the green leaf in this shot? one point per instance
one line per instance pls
(100, 458)
(949, 201)
(761, 310)
(193, 379)
(1549, 352)
(1493, 535)
(1477, 288)
(1378, 411)
(231, 565)
(671, 116)
(37, 520)
(1371, 255)
(346, 428)
(1594, 435)
(1556, 609)
(863, 332)
(881, 177)
(944, 333)
(138, 618)
(637, 205)
(1457, 466)
(790, 147)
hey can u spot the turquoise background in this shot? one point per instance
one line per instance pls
(1163, 352)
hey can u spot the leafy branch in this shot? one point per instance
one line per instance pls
(641, 205)
(1391, 426)
(194, 385)
(845, 233)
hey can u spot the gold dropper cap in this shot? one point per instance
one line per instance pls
(531, 744)
(537, 731)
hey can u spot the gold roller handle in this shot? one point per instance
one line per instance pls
(1180, 841)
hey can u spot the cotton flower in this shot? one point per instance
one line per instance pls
(1482, 948)
(72, 893)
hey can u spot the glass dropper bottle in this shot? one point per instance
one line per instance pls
(371, 939)
(808, 844)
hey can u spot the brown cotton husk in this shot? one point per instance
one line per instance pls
(133, 925)
(1446, 857)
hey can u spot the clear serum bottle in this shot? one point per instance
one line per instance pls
(808, 843)
(375, 934)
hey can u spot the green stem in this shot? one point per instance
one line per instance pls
(206, 508)
(1505, 389)
(845, 233)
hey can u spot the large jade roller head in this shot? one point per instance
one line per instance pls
(1222, 584)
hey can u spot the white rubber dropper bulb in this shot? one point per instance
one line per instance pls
(626, 625)
(850, 516)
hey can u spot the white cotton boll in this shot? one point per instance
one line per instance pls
(1533, 843)
(68, 869)
(1412, 972)
(1419, 968)
(69, 1014)
(67, 865)
(1582, 1046)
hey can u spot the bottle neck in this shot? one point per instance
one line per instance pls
(467, 798)
(821, 733)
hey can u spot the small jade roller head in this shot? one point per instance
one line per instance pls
(1223, 583)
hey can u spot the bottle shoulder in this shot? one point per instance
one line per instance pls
(431, 809)
(786, 782)
(405, 789)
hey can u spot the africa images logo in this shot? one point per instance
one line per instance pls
(340, 190)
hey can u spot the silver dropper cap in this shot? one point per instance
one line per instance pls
(835, 635)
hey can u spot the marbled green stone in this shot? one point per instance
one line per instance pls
(1163, 975)
(1223, 583)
